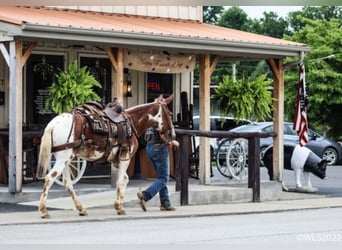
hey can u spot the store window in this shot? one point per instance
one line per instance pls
(159, 84)
(40, 74)
(100, 68)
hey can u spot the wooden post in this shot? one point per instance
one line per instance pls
(120, 76)
(15, 118)
(205, 70)
(16, 62)
(277, 68)
(117, 64)
(204, 123)
(117, 88)
(182, 168)
(254, 167)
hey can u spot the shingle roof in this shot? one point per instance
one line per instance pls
(150, 28)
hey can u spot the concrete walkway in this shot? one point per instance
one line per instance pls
(204, 200)
(153, 212)
(222, 197)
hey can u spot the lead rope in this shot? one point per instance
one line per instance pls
(72, 126)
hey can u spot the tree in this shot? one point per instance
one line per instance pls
(211, 14)
(270, 25)
(323, 77)
(71, 89)
(320, 12)
(235, 18)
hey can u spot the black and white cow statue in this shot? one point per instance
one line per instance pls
(302, 161)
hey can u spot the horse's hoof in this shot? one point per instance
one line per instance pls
(121, 212)
(117, 205)
(83, 213)
(45, 216)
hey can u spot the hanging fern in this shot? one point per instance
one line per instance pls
(71, 89)
(244, 99)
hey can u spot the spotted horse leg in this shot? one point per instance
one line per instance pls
(121, 184)
(49, 180)
(68, 184)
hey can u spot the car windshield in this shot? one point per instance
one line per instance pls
(220, 123)
(248, 128)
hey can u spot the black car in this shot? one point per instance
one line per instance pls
(323, 147)
(217, 123)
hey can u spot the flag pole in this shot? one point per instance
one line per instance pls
(300, 119)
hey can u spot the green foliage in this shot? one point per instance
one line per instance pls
(323, 76)
(270, 25)
(211, 14)
(319, 27)
(315, 13)
(71, 89)
(244, 99)
(235, 18)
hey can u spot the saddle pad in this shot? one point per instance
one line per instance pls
(97, 125)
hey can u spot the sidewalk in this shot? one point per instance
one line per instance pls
(221, 197)
(204, 200)
(153, 212)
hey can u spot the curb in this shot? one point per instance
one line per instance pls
(108, 214)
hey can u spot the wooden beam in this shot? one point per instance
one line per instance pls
(112, 59)
(5, 54)
(213, 64)
(277, 68)
(27, 53)
(118, 86)
(120, 76)
(15, 118)
(204, 113)
(274, 67)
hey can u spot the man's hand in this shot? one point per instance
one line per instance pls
(175, 143)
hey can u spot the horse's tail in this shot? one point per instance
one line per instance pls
(45, 152)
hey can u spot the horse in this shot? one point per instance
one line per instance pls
(70, 135)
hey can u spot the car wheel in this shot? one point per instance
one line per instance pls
(330, 154)
(262, 153)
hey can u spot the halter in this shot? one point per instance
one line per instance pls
(168, 121)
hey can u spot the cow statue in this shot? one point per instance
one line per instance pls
(302, 161)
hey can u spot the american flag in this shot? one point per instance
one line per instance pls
(300, 120)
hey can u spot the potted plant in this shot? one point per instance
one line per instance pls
(71, 89)
(244, 99)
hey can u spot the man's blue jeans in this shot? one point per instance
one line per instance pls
(159, 156)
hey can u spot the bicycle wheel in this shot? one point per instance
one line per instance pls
(221, 156)
(77, 168)
(237, 159)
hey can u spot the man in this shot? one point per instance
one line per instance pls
(157, 149)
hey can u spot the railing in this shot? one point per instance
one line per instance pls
(27, 135)
(182, 168)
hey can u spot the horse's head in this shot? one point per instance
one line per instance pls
(163, 116)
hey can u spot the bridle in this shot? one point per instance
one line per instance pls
(168, 120)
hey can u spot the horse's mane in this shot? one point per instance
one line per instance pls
(139, 109)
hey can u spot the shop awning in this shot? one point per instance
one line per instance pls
(133, 31)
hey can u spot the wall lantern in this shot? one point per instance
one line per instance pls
(129, 86)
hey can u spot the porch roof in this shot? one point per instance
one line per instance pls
(133, 31)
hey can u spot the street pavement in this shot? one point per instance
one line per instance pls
(221, 197)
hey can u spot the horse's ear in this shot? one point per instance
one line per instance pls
(160, 98)
(169, 99)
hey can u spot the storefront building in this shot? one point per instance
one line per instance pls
(135, 56)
